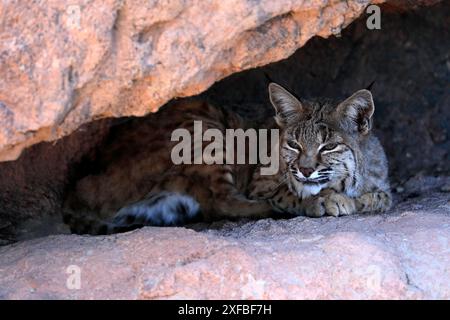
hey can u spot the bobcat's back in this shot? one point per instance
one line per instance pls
(136, 166)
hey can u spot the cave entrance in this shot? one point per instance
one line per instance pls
(408, 60)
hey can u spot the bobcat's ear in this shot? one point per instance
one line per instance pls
(287, 107)
(359, 110)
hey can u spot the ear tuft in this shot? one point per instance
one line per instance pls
(285, 104)
(359, 109)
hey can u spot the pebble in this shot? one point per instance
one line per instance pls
(399, 189)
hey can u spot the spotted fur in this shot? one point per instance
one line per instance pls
(136, 170)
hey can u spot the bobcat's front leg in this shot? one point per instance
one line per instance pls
(276, 193)
(332, 203)
(282, 200)
(329, 202)
(374, 201)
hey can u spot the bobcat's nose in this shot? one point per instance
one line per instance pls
(306, 171)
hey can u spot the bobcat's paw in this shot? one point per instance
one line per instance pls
(376, 201)
(337, 204)
(314, 207)
(332, 204)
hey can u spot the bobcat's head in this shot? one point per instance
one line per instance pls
(320, 140)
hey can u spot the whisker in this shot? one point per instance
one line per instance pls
(324, 174)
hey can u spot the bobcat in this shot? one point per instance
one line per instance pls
(330, 164)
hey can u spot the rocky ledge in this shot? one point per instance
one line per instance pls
(401, 254)
(65, 64)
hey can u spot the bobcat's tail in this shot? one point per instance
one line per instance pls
(160, 209)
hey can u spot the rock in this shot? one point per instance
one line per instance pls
(62, 65)
(399, 255)
(420, 184)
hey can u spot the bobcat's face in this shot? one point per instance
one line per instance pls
(320, 140)
(315, 157)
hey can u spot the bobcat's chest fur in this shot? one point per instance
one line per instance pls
(310, 190)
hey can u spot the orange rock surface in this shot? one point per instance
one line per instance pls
(62, 65)
(402, 254)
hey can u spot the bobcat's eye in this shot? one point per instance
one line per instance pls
(294, 146)
(329, 147)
